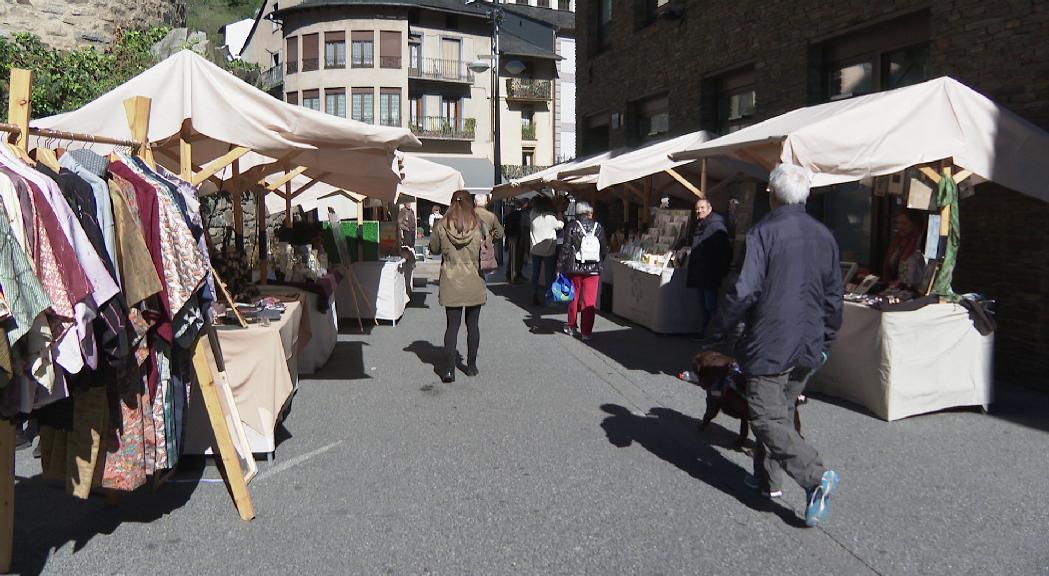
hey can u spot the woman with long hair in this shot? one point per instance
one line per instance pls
(457, 238)
(904, 263)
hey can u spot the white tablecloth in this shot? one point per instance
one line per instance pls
(385, 290)
(660, 302)
(324, 328)
(898, 364)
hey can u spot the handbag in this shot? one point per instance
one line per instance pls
(488, 262)
(562, 291)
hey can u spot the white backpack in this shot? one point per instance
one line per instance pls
(590, 246)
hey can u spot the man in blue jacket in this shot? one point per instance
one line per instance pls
(789, 295)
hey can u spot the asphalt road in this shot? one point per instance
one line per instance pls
(561, 458)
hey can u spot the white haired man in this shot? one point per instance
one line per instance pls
(789, 295)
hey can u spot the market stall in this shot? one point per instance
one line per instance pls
(654, 296)
(382, 291)
(918, 144)
(320, 320)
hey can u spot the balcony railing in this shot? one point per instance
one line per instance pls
(390, 62)
(515, 171)
(440, 69)
(527, 89)
(310, 64)
(440, 128)
(528, 132)
(272, 77)
(363, 63)
(334, 64)
(394, 121)
(292, 66)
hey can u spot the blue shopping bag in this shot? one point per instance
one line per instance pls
(561, 291)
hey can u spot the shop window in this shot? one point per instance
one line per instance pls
(334, 49)
(389, 49)
(650, 118)
(310, 52)
(390, 106)
(335, 101)
(362, 107)
(311, 99)
(885, 56)
(363, 49)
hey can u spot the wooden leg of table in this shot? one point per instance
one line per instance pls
(7, 493)
(223, 438)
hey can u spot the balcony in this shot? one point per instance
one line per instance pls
(392, 121)
(311, 64)
(524, 89)
(440, 70)
(390, 62)
(334, 64)
(292, 66)
(515, 171)
(440, 128)
(272, 77)
(528, 132)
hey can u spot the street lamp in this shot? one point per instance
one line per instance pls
(495, 14)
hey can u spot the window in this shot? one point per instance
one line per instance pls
(648, 11)
(363, 106)
(273, 14)
(600, 24)
(734, 99)
(293, 54)
(415, 111)
(292, 98)
(415, 53)
(528, 157)
(363, 48)
(543, 3)
(390, 106)
(334, 49)
(311, 99)
(525, 2)
(310, 52)
(564, 4)
(595, 134)
(389, 49)
(450, 111)
(651, 118)
(451, 65)
(888, 55)
(335, 101)
(527, 123)
(605, 23)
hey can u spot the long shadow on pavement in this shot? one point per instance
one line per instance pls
(346, 363)
(427, 353)
(665, 433)
(47, 519)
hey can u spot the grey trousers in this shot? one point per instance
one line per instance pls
(779, 447)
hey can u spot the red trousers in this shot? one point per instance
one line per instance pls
(585, 301)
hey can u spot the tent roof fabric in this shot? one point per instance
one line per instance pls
(645, 161)
(552, 174)
(887, 132)
(227, 112)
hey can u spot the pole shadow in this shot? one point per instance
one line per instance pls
(672, 437)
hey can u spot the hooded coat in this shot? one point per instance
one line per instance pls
(461, 283)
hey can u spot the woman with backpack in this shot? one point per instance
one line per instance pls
(458, 238)
(581, 260)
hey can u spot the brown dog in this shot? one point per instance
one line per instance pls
(719, 375)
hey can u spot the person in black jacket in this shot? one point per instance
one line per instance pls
(581, 259)
(709, 259)
(789, 295)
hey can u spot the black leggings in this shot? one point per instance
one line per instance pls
(473, 333)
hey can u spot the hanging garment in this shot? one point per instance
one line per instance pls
(136, 268)
(103, 206)
(22, 196)
(9, 198)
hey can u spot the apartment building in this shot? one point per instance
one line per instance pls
(418, 65)
(657, 68)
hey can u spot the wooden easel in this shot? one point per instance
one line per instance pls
(138, 111)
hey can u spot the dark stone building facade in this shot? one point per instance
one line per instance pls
(649, 68)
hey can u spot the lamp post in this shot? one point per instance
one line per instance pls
(495, 14)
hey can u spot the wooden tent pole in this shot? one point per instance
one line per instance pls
(287, 204)
(137, 111)
(703, 179)
(238, 210)
(18, 110)
(185, 148)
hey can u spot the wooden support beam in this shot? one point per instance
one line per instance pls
(286, 179)
(137, 111)
(238, 209)
(930, 174)
(287, 203)
(261, 241)
(703, 178)
(360, 234)
(306, 186)
(219, 163)
(681, 180)
(185, 148)
(962, 175)
(19, 105)
(945, 212)
(218, 182)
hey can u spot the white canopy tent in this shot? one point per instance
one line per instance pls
(647, 160)
(198, 104)
(560, 174)
(885, 133)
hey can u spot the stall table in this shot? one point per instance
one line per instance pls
(385, 285)
(898, 364)
(323, 326)
(261, 366)
(658, 301)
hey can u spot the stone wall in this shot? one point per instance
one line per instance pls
(67, 24)
(998, 47)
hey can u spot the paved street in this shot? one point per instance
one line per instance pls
(561, 458)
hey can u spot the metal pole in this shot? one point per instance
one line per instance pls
(496, 16)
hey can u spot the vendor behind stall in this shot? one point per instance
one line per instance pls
(709, 257)
(904, 264)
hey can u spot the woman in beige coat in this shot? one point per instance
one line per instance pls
(457, 238)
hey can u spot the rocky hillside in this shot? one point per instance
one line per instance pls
(68, 24)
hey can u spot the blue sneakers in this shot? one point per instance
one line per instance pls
(818, 509)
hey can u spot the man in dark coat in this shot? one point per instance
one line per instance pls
(709, 259)
(789, 295)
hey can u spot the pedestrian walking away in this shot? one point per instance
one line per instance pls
(789, 295)
(457, 238)
(581, 259)
(543, 229)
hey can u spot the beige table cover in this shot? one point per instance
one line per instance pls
(260, 364)
(660, 302)
(322, 328)
(898, 364)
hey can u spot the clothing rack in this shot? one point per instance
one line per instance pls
(137, 110)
